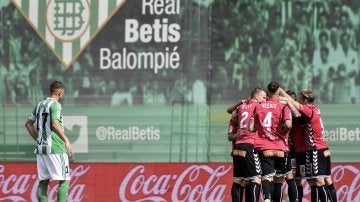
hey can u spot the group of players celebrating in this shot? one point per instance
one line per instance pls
(275, 137)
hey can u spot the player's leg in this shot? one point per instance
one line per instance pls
(59, 170)
(63, 190)
(292, 188)
(330, 188)
(318, 190)
(237, 189)
(43, 176)
(316, 181)
(314, 191)
(252, 192)
(42, 190)
(300, 189)
(280, 168)
(252, 173)
(268, 171)
(277, 194)
(290, 178)
(300, 173)
(267, 188)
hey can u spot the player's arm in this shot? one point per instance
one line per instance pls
(55, 124)
(231, 129)
(287, 125)
(287, 119)
(295, 113)
(234, 106)
(29, 125)
(58, 130)
(289, 99)
(251, 126)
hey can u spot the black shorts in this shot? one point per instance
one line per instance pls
(246, 166)
(272, 166)
(290, 162)
(313, 164)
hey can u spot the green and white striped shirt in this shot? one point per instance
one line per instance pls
(48, 142)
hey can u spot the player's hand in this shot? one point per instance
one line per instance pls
(281, 91)
(234, 116)
(283, 100)
(69, 148)
(236, 135)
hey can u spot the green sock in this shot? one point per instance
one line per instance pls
(63, 191)
(42, 190)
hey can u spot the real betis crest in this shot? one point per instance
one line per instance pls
(67, 26)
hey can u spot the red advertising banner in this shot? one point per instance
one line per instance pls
(151, 182)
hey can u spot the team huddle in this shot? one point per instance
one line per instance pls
(275, 137)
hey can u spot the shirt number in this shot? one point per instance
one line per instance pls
(267, 121)
(244, 117)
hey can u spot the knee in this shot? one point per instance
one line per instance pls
(316, 182)
(256, 180)
(64, 184)
(240, 182)
(270, 179)
(44, 183)
(328, 181)
(278, 179)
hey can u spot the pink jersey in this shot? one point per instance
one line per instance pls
(233, 126)
(296, 136)
(313, 129)
(269, 117)
(232, 129)
(245, 112)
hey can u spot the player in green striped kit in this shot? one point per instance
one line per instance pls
(45, 125)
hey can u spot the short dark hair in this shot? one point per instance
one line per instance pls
(55, 86)
(255, 91)
(292, 94)
(309, 95)
(273, 87)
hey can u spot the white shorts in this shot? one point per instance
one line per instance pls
(53, 166)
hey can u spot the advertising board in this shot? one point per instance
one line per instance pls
(152, 182)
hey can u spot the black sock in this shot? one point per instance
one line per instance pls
(252, 192)
(266, 188)
(322, 193)
(237, 192)
(277, 194)
(292, 190)
(331, 192)
(314, 194)
(300, 192)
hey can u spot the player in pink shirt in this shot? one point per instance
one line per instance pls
(272, 120)
(313, 161)
(247, 169)
(295, 189)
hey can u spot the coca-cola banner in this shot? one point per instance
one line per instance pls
(152, 182)
(150, 80)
